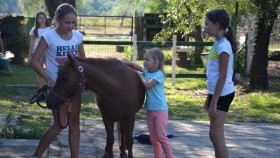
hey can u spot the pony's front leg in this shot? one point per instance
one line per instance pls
(109, 126)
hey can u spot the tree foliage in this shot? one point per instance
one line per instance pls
(110, 7)
(121, 8)
(31, 8)
(183, 15)
(156, 6)
(96, 7)
(53, 4)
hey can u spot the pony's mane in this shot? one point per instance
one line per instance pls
(99, 61)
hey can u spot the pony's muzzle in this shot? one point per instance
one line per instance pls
(52, 102)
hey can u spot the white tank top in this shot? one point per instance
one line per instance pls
(58, 49)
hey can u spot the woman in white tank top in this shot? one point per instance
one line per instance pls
(41, 26)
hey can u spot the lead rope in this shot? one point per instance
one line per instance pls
(69, 111)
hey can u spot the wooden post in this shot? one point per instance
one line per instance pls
(174, 40)
(134, 47)
(250, 43)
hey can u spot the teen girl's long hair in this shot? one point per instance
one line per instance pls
(221, 16)
(36, 23)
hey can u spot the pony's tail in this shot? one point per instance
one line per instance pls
(119, 133)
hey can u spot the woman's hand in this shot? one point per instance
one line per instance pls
(212, 110)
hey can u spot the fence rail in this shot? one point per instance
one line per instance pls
(150, 43)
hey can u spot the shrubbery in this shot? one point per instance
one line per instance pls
(275, 55)
(15, 40)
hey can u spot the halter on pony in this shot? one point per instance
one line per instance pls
(42, 93)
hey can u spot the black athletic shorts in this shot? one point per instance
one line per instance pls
(223, 102)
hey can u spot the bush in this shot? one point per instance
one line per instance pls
(167, 58)
(15, 40)
(128, 53)
(239, 61)
(275, 55)
(27, 127)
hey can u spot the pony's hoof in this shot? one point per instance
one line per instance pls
(123, 155)
(107, 156)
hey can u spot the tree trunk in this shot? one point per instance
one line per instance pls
(266, 17)
(258, 77)
(198, 50)
(53, 4)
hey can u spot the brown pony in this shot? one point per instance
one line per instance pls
(119, 94)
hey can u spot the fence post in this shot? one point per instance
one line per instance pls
(174, 40)
(250, 42)
(134, 47)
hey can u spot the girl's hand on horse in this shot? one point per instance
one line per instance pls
(133, 65)
(128, 63)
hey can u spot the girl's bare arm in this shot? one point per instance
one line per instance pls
(31, 48)
(81, 51)
(223, 65)
(35, 61)
(147, 84)
(133, 65)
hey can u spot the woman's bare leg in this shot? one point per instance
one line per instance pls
(53, 131)
(48, 136)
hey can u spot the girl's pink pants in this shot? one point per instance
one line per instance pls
(157, 123)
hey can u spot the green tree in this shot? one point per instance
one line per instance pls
(120, 9)
(187, 17)
(267, 12)
(181, 17)
(15, 39)
(156, 6)
(53, 4)
(30, 8)
(85, 7)
(97, 7)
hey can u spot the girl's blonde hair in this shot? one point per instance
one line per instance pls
(157, 56)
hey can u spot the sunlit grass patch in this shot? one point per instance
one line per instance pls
(26, 127)
(256, 107)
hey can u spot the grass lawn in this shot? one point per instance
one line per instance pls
(185, 100)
